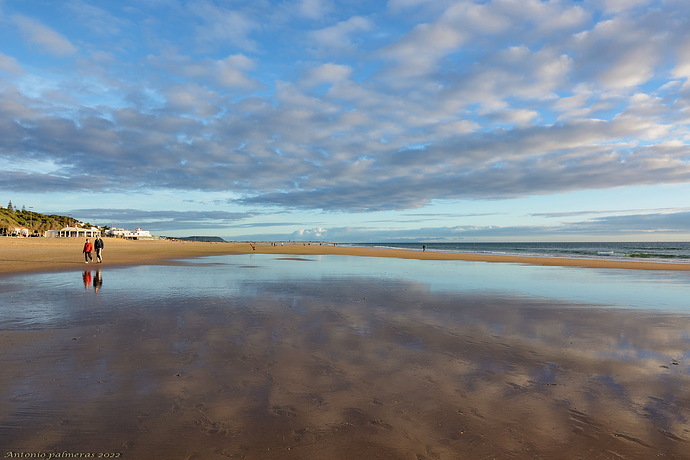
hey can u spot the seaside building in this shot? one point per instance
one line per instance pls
(73, 232)
(137, 234)
(16, 231)
(116, 232)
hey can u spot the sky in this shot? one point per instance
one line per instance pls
(353, 120)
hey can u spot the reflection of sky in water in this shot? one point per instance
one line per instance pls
(43, 298)
(646, 289)
(354, 324)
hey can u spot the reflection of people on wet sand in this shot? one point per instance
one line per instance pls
(98, 245)
(87, 279)
(88, 247)
(97, 281)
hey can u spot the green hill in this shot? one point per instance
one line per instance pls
(34, 221)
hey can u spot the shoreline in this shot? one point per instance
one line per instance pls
(27, 255)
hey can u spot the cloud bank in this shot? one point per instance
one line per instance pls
(356, 107)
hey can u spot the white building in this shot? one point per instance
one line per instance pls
(19, 231)
(73, 232)
(137, 234)
(118, 232)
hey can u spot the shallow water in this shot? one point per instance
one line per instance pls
(653, 251)
(262, 356)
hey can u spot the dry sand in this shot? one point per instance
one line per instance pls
(19, 255)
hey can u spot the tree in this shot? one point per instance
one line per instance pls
(9, 206)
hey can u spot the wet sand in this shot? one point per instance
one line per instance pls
(338, 368)
(19, 255)
(342, 369)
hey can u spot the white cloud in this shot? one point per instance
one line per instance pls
(97, 20)
(418, 53)
(43, 36)
(628, 58)
(326, 74)
(221, 26)
(192, 99)
(481, 100)
(405, 4)
(519, 116)
(617, 6)
(311, 233)
(314, 9)
(232, 70)
(651, 222)
(10, 65)
(682, 67)
(229, 72)
(340, 37)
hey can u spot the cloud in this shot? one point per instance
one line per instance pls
(293, 155)
(617, 6)
(160, 220)
(311, 234)
(229, 72)
(314, 9)
(195, 100)
(326, 74)
(339, 38)
(43, 36)
(630, 57)
(661, 211)
(221, 26)
(97, 20)
(428, 234)
(674, 223)
(474, 100)
(682, 67)
(419, 52)
(10, 65)
(20, 181)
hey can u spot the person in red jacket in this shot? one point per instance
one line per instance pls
(88, 248)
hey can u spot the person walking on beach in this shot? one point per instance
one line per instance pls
(98, 245)
(88, 248)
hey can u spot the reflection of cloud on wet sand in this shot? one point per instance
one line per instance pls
(353, 368)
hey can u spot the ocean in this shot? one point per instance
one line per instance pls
(678, 252)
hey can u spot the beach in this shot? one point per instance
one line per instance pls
(328, 352)
(19, 255)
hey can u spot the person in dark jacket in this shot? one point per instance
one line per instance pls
(98, 244)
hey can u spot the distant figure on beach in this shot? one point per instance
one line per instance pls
(253, 247)
(98, 245)
(424, 248)
(88, 248)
